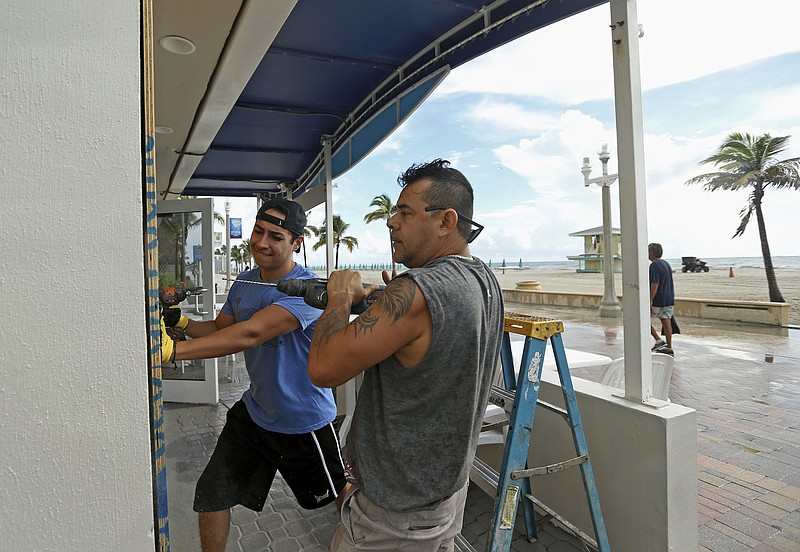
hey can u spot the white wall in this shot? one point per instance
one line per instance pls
(74, 422)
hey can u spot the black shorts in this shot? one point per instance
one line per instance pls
(246, 457)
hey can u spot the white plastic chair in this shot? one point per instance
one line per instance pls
(614, 374)
(662, 374)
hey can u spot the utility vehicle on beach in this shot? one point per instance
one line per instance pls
(693, 264)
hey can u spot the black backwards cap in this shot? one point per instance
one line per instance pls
(295, 216)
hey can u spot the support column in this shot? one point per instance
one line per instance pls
(346, 393)
(633, 206)
(326, 149)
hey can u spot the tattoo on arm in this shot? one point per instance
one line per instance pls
(365, 322)
(327, 325)
(395, 302)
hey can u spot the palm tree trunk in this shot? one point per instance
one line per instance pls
(772, 283)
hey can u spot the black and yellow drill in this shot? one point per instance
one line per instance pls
(170, 311)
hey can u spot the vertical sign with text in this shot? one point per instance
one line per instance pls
(236, 228)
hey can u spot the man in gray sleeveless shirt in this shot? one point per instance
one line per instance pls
(428, 348)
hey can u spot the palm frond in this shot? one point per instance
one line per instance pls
(745, 213)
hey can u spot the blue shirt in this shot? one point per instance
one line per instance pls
(281, 397)
(661, 273)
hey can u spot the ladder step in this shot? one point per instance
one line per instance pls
(505, 400)
(461, 544)
(485, 477)
(502, 398)
(550, 468)
(495, 425)
(552, 514)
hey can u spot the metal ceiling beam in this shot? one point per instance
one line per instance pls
(253, 149)
(290, 110)
(320, 56)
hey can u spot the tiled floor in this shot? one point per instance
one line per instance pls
(748, 445)
(191, 433)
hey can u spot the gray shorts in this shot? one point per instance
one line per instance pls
(367, 526)
(662, 313)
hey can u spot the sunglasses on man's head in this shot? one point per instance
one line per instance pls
(473, 233)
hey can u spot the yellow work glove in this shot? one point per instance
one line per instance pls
(167, 345)
(173, 318)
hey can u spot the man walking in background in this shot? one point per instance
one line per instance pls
(662, 297)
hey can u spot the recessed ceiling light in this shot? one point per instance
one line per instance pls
(177, 44)
(161, 129)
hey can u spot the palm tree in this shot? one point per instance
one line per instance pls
(746, 161)
(244, 252)
(236, 257)
(339, 228)
(173, 232)
(306, 234)
(385, 209)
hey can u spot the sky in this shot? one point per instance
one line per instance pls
(519, 120)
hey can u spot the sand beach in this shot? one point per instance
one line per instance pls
(747, 284)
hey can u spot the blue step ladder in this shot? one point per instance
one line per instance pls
(520, 398)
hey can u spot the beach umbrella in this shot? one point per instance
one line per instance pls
(490, 263)
(504, 263)
(520, 262)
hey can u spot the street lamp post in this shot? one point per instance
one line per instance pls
(609, 306)
(228, 244)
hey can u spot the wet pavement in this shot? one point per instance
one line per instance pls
(748, 444)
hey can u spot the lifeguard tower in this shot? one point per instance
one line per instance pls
(592, 258)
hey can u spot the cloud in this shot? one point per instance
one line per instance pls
(571, 60)
(687, 39)
(495, 116)
(519, 120)
(576, 49)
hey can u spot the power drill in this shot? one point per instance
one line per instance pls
(170, 297)
(314, 292)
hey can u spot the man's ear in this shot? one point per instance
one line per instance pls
(297, 244)
(450, 221)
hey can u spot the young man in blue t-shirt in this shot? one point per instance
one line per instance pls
(283, 422)
(662, 297)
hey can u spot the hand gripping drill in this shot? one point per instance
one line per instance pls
(170, 297)
(314, 292)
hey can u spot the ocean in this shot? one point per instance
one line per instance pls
(780, 261)
(712, 262)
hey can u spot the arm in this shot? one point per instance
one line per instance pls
(224, 337)
(398, 324)
(654, 281)
(201, 328)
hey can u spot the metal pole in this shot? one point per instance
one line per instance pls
(609, 306)
(228, 244)
(326, 148)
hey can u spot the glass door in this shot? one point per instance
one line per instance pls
(186, 259)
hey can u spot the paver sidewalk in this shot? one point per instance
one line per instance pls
(748, 445)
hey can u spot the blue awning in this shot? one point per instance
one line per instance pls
(352, 70)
